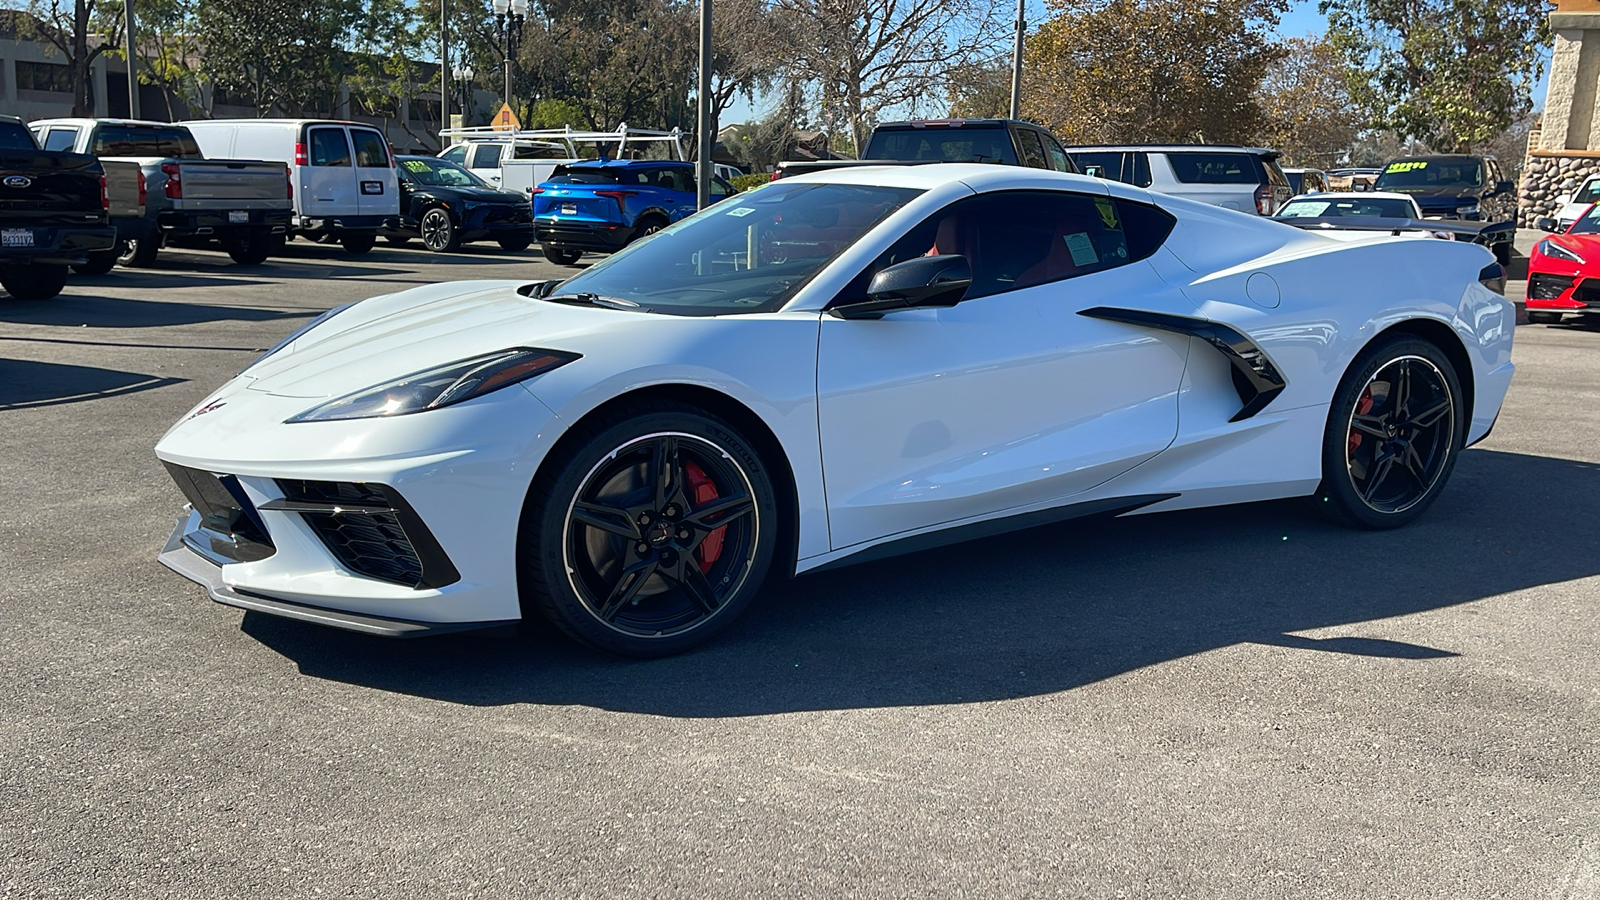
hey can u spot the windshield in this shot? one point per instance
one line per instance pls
(1589, 193)
(1431, 175)
(1373, 207)
(747, 254)
(941, 144)
(15, 137)
(440, 173)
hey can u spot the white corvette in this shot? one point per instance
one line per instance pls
(827, 370)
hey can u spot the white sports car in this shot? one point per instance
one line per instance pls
(829, 369)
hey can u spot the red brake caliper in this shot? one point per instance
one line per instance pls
(1363, 406)
(704, 492)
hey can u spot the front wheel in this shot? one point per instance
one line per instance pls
(33, 281)
(650, 533)
(358, 243)
(438, 232)
(1395, 428)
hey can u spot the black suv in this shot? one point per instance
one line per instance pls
(1468, 187)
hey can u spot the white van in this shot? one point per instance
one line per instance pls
(342, 172)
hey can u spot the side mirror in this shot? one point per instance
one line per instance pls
(924, 281)
(1505, 187)
(1547, 224)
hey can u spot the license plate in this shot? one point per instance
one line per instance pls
(16, 237)
(238, 217)
(569, 209)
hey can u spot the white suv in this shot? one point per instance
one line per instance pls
(1247, 179)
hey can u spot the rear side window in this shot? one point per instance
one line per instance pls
(1057, 156)
(486, 156)
(60, 139)
(680, 180)
(1031, 149)
(1215, 168)
(1275, 173)
(536, 151)
(143, 140)
(942, 144)
(329, 147)
(1100, 163)
(372, 150)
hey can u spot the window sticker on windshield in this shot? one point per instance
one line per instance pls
(1108, 212)
(741, 211)
(416, 165)
(1406, 166)
(1082, 249)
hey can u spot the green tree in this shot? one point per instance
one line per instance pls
(1306, 105)
(79, 30)
(626, 61)
(1451, 73)
(981, 91)
(287, 56)
(168, 54)
(1117, 71)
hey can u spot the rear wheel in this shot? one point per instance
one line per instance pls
(560, 256)
(100, 262)
(438, 232)
(515, 244)
(358, 243)
(650, 534)
(139, 253)
(1394, 430)
(33, 281)
(647, 226)
(252, 248)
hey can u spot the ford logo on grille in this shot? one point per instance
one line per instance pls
(18, 181)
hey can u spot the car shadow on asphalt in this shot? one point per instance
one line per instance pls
(1036, 612)
(25, 383)
(114, 312)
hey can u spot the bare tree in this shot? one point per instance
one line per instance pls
(861, 58)
(79, 30)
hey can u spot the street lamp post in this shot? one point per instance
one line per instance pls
(511, 14)
(463, 76)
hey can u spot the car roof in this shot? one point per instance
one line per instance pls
(627, 163)
(1173, 148)
(950, 123)
(978, 176)
(1301, 169)
(1350, 195)
(1461, 156)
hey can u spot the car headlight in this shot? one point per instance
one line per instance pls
(1470, 209)
(1556, 251)
(440, 386)
(299, 333)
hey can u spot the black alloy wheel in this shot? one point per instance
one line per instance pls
(438, 232)
(653, 534)
(254, 247)
(560, 255)
(33, 281)
(139, 253)
(649, 226)
(1394, 432)
(358, 243)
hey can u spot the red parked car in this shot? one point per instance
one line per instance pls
(1564, 270)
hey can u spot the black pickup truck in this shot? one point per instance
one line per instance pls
(52, 213)
(1458, 186)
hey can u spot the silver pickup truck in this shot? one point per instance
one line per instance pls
(191, 201)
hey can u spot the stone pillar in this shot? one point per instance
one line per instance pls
(1566, 148)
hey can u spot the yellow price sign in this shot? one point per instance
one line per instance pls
(1408, 166)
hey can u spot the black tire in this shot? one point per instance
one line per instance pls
(514, 244)
(1544, 318)
(1384, 459)
(358, 243)
(399, 240)
(253, 248)
(439, 233)
(33, 281)
(139, 253)
(560, 256)
(647, 226)
(100, 262)
(647, 566)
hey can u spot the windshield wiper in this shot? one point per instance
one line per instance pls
(588, 299)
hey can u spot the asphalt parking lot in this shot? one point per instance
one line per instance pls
(1241, 702)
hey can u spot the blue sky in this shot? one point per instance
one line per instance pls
(1301, 20)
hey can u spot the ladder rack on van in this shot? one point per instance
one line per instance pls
(569, 136)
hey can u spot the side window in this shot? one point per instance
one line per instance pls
(720, 188)
(456, 154)
(671, 180)
(1141, 169)
(1020, 239)
(60, 138)
(1058, 157)
(329, 147)
(372, 151)
(486, 156)
(1029, 149)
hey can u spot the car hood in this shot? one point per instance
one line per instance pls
(1432, 200)
(389, 337)
(475, 194)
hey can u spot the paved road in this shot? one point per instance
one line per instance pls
(1231, 703)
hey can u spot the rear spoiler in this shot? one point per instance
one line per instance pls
(1461, 229)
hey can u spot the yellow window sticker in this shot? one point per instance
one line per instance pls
(1408, 166)
(1108, 212)
(416, 165)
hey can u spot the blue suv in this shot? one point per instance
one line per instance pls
(605, 205)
